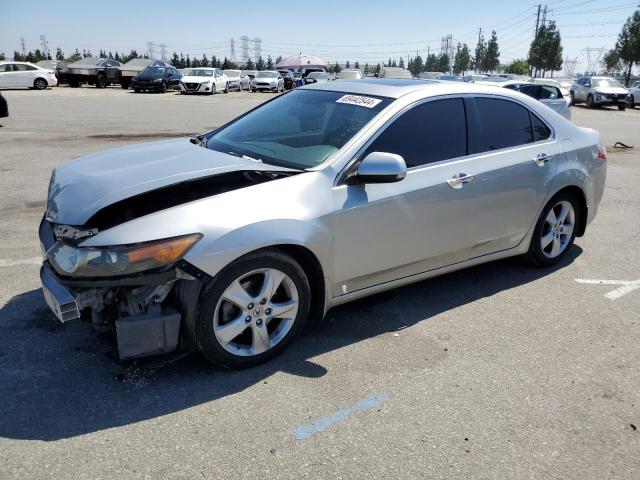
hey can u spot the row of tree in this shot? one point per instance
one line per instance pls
(626, 52)
(545, 52)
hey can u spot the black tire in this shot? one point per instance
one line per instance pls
(162, 88)
(124, 84)
(40, 84)
(74, 84)
(137, 90)
(632, 102)
(535, 254)
(213, 89)
(590, 103)
(208, 343)
(622, 108)
(573, 98)
(226, 88)
(101, 81)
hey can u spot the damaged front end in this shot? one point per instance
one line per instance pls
(140, 293)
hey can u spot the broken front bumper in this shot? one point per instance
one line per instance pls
(153, 330)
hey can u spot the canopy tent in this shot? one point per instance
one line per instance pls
(300, 62)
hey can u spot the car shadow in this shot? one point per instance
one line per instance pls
(62, 380)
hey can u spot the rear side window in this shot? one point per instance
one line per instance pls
(428, 133)
(540, 129)
(547, 92)
(503, 124)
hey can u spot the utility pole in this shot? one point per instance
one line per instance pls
(479, 37)
(45, 45)
(535, 36)
(150, 49)
(24, 49)
(163, 51)
(544, 16)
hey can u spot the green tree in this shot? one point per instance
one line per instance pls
(188, 62)
(278, 59)
(628, 44)
(491, 57)
(517, 67)
(347, 65)
(431, 64)
(2, 57)
(442, 64)
(416, 65)
(356, 65)
(175, 60)
(401, 62)
(250, 65)
(378, 68)
(260, 64)
(366, 68)
(545, 53)
(205, 61)
(462, 60)
(269, 63)
(337, 68)
(611, 61)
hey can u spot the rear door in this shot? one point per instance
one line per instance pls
(6, 73)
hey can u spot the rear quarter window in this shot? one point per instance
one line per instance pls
(501, 124)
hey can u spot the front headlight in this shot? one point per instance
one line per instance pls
(157, 80)
(75, 261)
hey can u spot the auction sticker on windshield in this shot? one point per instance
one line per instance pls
(359, 100)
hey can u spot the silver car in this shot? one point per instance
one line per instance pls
(229, 242)
(599, 91)
(634, 94)
(270, 80)
(550, 95)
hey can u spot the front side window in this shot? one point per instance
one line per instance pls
(300, 129)
(6, 68)
(429, 132)
(502, 123)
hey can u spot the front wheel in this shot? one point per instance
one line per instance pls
(162, 88)
(226, 88)
(101, 81)
(573, 98)
(253, 309)
(555, 231)
(622, 108)
(590, 103)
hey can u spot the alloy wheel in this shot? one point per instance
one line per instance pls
(557, 230)
(255, 312)
(40, 84)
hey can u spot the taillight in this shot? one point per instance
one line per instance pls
(602, 153)
(51, 72)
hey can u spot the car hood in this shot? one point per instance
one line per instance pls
(611, 90)
(80, 188)
(194, 79)
(266, 79)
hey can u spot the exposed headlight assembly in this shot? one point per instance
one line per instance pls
(71, 260)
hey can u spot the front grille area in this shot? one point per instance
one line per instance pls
(262, 84)
(192, 86)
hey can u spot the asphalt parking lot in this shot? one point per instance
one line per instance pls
(499, 371)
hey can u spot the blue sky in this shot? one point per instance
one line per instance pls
(368, 31)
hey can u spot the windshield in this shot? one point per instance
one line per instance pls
(318, 75)
(200, 73)
(153, 71)
(232, 73)
(300, 129)
(605, 82)
(266, 74)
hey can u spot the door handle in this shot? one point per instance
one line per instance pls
(541, 159)
(459, 179)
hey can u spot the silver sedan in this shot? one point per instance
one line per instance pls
(231, 241)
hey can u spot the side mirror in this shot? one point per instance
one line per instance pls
(379, 167)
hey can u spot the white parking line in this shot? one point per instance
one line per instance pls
(23, 261)
(626, 286)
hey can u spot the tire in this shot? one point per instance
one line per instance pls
(124, 84)
(590, 103)
(101, 81)
(213, 89)
(162, 88)
(622, 108)
(40, 84)
(74, 83)
(137, 90)
(226, 88)
(560, 244)
(242, 348)
(632, 102)
(573, 98)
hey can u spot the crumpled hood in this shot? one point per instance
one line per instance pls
(194, 79)
(80, 188)
(611, 90)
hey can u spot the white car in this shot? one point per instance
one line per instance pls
(204, 80)
(270, 80)
(350, 74)
(26, 75)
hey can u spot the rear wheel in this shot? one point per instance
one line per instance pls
(226, 88)
(74, 83)
(573, 98)
(555, 230)
(40, 84)
(252, 310)
(162, 88)
(124, 83)
(101, 81)
(632, 102)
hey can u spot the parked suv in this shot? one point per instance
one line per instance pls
(598, 91)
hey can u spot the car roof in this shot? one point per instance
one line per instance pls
(396, 88)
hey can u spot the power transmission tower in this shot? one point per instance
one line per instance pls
(24, 49)
(446, 48)
(257, 48)
(544, 16)
(244, 49)
(233, 50)
(570, 66)
(163, 51)
(594, 57)
(151, 49)
(45, 45)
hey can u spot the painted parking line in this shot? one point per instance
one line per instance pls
(323, 423)
(22, 261)
(625, 286)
